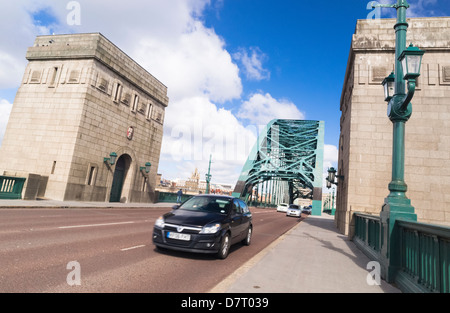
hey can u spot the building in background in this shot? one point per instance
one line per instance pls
(86, 123)
(365, 146)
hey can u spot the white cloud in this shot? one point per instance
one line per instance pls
(195, 63)
(195, 129)
(330, 156)
(5, 110)
(261, 109)
(253, 63)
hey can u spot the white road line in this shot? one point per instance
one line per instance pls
(131, 248)
(94, 225)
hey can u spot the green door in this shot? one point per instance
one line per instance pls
(119, 175)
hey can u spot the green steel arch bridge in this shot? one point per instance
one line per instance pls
(285, 164)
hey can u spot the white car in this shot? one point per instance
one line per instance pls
(294, 210)
(282, 207)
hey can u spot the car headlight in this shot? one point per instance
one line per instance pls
(210, 229)
(160, 222)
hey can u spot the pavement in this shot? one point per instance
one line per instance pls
(313, 257)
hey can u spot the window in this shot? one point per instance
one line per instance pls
(236, 206)
(92, 175)
(244, 207)
(135, 103)
(117, 92)
(53, 167)
(149, 111)
(54, 76)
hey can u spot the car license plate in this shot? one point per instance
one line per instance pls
(178, 236)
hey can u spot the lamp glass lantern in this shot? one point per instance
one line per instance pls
(331, 174)
(389, 87)
(411, 60)
(147, 167)
(112, 158)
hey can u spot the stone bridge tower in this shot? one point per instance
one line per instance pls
(81, 100)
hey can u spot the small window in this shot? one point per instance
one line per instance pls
(117, 92)
(92, 173)
(53, 167)
(149, 111)
(54, 76)
(135, 103)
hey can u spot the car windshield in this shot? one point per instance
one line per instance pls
(293, 206)
(207, 204)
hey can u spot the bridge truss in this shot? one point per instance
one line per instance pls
(285, 164)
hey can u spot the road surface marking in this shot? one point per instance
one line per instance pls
(131, 248)
(95, 225)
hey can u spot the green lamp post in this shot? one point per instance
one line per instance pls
(208, 178)
(399, 88)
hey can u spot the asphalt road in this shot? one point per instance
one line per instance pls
(110, 250)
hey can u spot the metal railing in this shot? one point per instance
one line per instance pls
(425, 255)
(168, 197)
(368, 231)
(11, 187)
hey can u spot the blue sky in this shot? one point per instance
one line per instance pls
(230, 65)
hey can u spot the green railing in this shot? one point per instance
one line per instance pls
(11, 187)
(168, 197)
(425, 256)
(368, 231)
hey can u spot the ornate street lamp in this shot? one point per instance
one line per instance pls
(112, 158)
(331, 179)
(146, 168)
(389, 86)
(411, 60)
(397, 205)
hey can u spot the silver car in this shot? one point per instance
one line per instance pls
(294, 210)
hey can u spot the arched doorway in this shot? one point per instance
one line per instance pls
(120, 173)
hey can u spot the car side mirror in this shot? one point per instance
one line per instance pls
(176, 207)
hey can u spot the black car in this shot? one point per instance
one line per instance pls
(205, 224)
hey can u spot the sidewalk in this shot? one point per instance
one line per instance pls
(311, 258)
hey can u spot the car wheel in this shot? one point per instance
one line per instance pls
(224, 247)
(248, 238)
